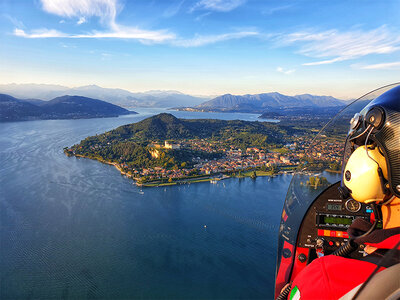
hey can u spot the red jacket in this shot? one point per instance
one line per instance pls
(331, 277)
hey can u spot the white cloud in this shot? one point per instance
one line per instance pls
(339, 46)
(272, 10)
(383, 66)
(173, 9)
(81, 20)
(143, 36)
(202, 16)
(286, 72)
(105, 56)
(211, 39)
(121, 33)
(106, 10)
(325, 62)
(217, 5)
(14, 21)
(67, 45)
(39, 33)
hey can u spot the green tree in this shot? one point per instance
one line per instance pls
(335, 166)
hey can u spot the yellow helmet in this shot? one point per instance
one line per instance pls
(362, 176)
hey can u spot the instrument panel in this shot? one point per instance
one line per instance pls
(324, 227)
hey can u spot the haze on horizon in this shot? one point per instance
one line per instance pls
(203, 47)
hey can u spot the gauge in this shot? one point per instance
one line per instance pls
(352, 205)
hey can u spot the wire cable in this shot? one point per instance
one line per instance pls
(361, 134)
(366, 148)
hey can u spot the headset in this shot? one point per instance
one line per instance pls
(365, 172)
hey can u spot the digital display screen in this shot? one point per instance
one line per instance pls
(337, 220)
(334, 206)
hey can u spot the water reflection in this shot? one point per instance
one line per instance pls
(75, 228)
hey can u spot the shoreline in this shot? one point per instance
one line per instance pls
(184, 180)
(107, 163)
(332, 171)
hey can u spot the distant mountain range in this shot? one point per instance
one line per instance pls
(257, 103)
(65, 107)
(118, 97)
(267, 102)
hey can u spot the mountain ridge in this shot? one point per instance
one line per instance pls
(64, 107)
(265, 101)
(117, 96)
(251, 103)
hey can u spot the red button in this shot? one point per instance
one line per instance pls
(330, 243)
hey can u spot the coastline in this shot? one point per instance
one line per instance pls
(332, 171)
(105, 162)
(184, 180)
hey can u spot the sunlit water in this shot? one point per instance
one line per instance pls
(75, 228)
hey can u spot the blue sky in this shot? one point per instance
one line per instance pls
(203, 47)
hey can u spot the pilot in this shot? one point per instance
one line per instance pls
(372, 176)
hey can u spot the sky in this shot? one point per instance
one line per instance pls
(203, 47)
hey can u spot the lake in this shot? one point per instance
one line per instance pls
(75, 228)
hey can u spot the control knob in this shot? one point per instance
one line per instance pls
(319, 243)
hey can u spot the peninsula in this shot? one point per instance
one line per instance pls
(165, 150)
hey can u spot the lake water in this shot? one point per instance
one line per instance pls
(75, 228)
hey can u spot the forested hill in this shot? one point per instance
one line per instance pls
(65, 107)
(165, 126)
(131, 145)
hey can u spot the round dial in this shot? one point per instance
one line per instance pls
(352, 205)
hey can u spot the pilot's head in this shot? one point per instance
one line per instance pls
(371, 174)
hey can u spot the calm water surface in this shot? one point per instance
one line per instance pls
(75, 228)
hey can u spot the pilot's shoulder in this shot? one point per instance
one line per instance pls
(330, 277)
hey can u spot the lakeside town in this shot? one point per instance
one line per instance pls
(229, 161)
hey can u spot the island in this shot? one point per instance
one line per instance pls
(164, 150)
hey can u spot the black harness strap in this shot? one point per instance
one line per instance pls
(386, 259)
(376, 257)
